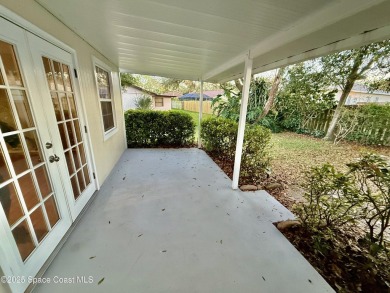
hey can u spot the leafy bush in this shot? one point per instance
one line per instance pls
(145, 128)
(219, 136)
(335, 199)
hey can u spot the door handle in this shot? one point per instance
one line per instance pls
(54, 158)
(49, 145)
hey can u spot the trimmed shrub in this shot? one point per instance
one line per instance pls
(219, 136)
(145, 128)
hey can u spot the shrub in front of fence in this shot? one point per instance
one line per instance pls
(219, 136)
(146, 128)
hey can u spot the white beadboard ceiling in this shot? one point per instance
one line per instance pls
(209, 39)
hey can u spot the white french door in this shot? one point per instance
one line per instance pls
(45, 173)
(54, 71)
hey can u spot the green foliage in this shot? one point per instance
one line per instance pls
(228, 105)
(128, 79)
(304, 96)
(331, 199)
(372, 176)
(219, 136)
(145, 128)
(144, 103)
(370, 118)
(335, 199)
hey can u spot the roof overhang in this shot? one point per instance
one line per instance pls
(209, 40)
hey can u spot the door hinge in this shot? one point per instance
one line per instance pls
(85, 129)
(94, 176)
(75, 73)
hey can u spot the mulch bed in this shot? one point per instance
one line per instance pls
(342, 264)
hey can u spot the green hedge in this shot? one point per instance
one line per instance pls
(145, 128)
(219, 136)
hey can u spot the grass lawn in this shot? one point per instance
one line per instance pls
(195, 117)
(293, 154)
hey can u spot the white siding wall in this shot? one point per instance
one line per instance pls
(106, 152)
(129, 97)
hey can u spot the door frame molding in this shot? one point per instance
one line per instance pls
(28, 26)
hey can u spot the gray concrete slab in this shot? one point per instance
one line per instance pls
(166, 220)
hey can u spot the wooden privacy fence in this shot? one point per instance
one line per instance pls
(374, 130)
(192, 106)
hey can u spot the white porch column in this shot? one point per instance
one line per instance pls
(200, 113)
(242, 121)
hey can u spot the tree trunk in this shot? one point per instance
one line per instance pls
(238, 83)
(272, 94)
(352, 77)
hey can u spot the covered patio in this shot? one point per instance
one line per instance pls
(166, 220)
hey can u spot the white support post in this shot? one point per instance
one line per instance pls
(200, 113)
(242, 121)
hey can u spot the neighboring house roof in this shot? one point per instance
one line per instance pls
(152, 93)
(173, 94)
(194, 96)
(213, 93)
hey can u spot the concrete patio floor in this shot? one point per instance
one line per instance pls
(167, 220)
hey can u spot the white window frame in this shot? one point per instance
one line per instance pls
(98, 63)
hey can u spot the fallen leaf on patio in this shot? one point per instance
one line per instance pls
(220, 241)
(140, 235)
(163, 209)
(92, 257)
(164, 251)
(124, 178)
(101, 281)
(263, 278)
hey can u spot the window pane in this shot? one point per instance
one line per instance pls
(76, 158)
(49, 73)
(58, 76)
(43, 181)
(23, 239)
(33, 147)
(72, 106)
(28, 190)
(39, 224)
(103, 83)
(81, 180)
(23, 108)
(77, 129)
(69, 127)
(64, 140)
(75, 187)
(108, 117)
(7, 120)
(57, 108)
(69, 162)
(10, 202)
(10, 64)
(86, 176)
(51, 210)
(16, 152)
(68, 84)
(4, 171)
(65, 105)
(82, 154)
